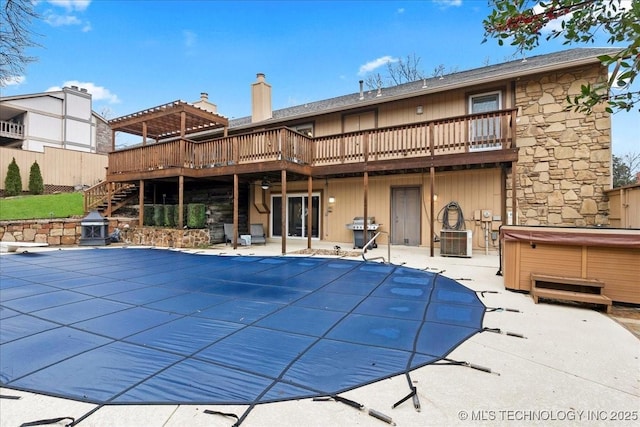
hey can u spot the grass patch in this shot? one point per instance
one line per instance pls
(46, 206)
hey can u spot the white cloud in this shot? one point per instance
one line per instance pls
(98, 93)
(12, 81)
(65, 18)
(376, 63)
(400, 11)
(61, 20)
(70, 5)
(190, 39)
(448, 3)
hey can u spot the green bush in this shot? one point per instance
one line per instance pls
(158, 215)
(169, 215)
(196, 215)
(13, 181)
(148, 215)
(36, 185)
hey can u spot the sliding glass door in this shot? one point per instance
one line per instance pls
(296, 216)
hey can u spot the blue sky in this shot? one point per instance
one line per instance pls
(136, 54)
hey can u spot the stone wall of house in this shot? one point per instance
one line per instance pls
(67, 232)
(564, 159)
(103, 137)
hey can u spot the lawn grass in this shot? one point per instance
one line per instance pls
(46, 206)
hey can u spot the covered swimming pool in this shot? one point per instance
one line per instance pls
(146, 326)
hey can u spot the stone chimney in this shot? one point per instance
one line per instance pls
(260, 100)
(205, 104)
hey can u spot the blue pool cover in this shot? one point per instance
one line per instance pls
(133, 326)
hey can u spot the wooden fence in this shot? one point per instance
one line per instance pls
(59, 167)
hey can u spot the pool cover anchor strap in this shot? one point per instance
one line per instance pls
(466, 364)
(9, 397)
(48, 421)
(372, 412)
(224, 414)
(500, 331)
(413, 394)
(499, 309)
(486, 292)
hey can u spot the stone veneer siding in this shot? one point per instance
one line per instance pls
(67, 232)
(564, 164)
(103, 137)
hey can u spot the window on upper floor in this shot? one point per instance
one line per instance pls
(485, 131)
(305, 129)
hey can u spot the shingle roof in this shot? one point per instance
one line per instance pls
(532, 65)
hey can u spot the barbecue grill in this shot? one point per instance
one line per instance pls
(357, 226)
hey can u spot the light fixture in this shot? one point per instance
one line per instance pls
(419, 109)
(332, 199)
(435, 197)
(265, 184)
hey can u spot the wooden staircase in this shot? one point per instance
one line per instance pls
(108, 197)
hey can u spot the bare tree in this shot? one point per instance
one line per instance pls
(403, 71)
(15, 38)
(398, 72)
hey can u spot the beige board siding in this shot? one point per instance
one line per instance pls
(57, 166)
(551, 260)
(472, 190)
(434, 106)
(619, 270)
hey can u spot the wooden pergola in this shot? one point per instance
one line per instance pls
(171, 120)
(175, 119)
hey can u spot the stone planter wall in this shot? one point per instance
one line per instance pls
(67, 232)
(564, 164)
(167, 237)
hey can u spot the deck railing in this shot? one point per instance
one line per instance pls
(96, 195)
(11, 130)
(455, 135)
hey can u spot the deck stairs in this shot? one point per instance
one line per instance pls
(99, 198)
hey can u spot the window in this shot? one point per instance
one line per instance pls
(485, 131)
(296, 215)
(305, 129)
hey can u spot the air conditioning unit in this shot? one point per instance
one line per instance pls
(458, 243)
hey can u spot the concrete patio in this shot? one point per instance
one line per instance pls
(575, 366)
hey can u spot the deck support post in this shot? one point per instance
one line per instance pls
(180, 201)
(141, 203)
(283, 225)
(365, 231)
(309, 211)
(432, 176)
(235, 211)
(109, 198)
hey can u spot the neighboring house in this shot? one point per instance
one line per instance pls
(60, 119)
(60, 131)
(473, 149)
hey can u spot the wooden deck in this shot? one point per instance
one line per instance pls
(463, 140)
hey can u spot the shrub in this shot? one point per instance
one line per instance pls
(158, 215)
(13, 181)
(169, 215)
(148, 215)
(36, 185)
(196, 215)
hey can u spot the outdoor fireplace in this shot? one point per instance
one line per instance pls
(95, 230)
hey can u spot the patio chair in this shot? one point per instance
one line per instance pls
(257, 234)
(228, 233)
